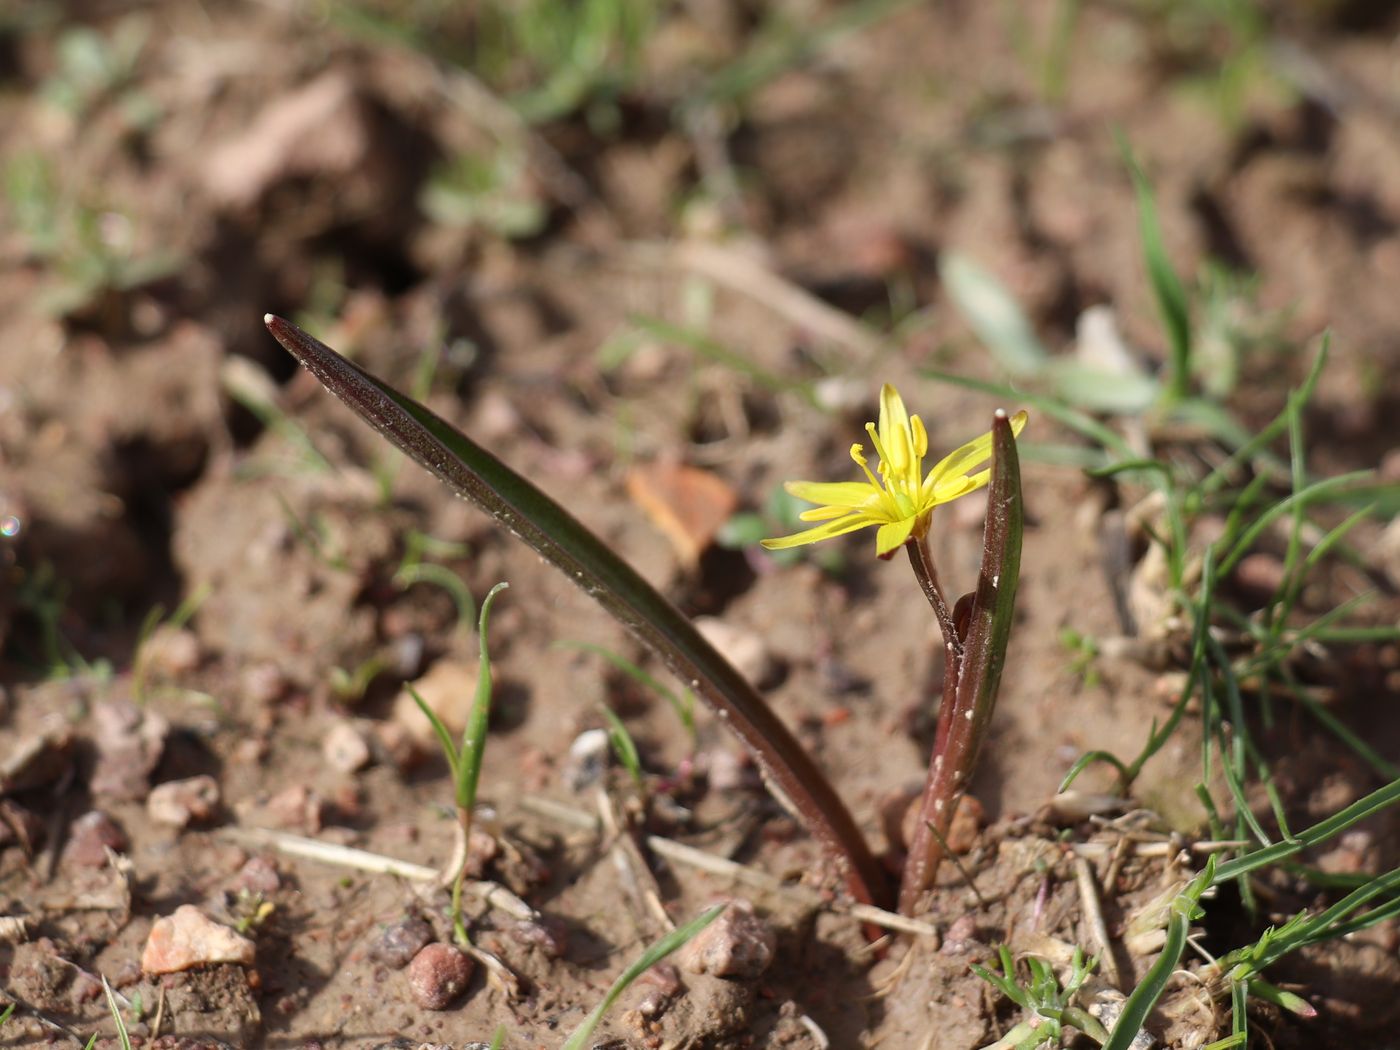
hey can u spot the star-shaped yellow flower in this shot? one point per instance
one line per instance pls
(901, 500)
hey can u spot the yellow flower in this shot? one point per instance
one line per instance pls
(901, 500)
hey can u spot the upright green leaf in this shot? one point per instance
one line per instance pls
(1170, 293)
(962, 724)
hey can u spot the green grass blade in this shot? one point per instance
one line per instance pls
(5, 1013)
(449, 746)
(1087, 759)
(1170, 293)
(441, 576)
(122, 1037)
(1139, 1004)
(516, 504)
(468, 770)
(649, 958)
(1314, 493)
(1220, 476)
(993, 314)
(1319, 832)
(624, 746)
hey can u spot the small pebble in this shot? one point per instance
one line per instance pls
(588, 758)
(401, 941)
(730, 770)
(447, 689)
(962, 829)
(657, 988)
(737, 944)
(1260, 573)
(171, 652)
(189, 938)
(89, 838)
(179, 803)
(547, 934)
(297, 807)
(264, 684)
(345, 748)
(438, 974)
(257, 875)
(36, 760)
(129, 741)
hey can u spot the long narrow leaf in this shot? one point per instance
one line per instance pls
(962, 724)
(1172, 302)
(469, 755)
(649, 958)
(1319, 832)
(1140, 1002)
(478, 476)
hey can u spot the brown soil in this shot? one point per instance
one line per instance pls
(279, 165)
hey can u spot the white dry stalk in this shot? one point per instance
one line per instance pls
(490, 893)
(695, 858)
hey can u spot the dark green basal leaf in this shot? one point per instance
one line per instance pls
(478, 476)
(962, 724)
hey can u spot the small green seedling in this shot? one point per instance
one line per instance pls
(1083, 655)
(122, 1037)
(649, 958)
(625, 748)
(464, 760)
(413, 570)
(182, 615)
(1051, 1007)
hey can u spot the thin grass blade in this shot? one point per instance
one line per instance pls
(122, 1037)
(649, 958)
(449, 746)
(468, 771)
(1144, 997)
(478, 476)
(1170, 293)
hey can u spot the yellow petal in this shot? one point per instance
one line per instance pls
(968, 458)
(893, 535)
(946, 490)
(894, 428)
(831, 529)
(823, 513)
(848, 494)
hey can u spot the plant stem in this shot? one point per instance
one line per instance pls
(459, 928)
(921, 558)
